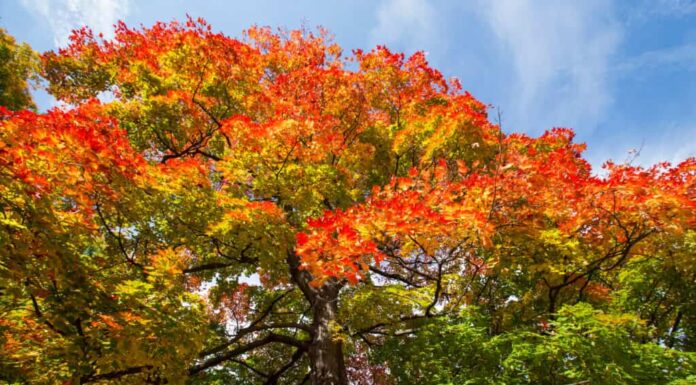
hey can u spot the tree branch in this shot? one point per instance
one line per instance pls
(115, 375)
(221, 358)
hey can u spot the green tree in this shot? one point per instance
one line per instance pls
(581, 346)
(18, 70)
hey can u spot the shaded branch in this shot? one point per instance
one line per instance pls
(207, 266)
(273, 378)
(226, 356)
(115, 375)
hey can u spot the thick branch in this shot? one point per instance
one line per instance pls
(394, 276)
(221, 358)
(301, 277)
(115, 375)
(207, 266)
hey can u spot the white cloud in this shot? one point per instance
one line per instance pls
(681, 57)
(676, 7)
(412, 22)
(560, 53)
(643, 152)
(664, 8)
(65, 15)
(673, 148)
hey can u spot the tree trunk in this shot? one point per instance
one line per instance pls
(326, 352)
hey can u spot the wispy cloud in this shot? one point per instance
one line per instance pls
(65, 15)
(682, 57)
(676, 7)
(560, 53)
(670, 148)
(664, 8)
(410, 22)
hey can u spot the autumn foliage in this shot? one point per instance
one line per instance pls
(273, 210)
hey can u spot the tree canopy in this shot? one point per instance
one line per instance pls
(18, 70)
(273, 210)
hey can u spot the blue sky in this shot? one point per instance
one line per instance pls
(621, 73)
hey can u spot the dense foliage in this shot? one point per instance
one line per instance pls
(18, 69)
(273, 210)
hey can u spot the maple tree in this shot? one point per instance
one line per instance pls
(272, 210)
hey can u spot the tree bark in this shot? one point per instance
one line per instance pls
(326, 351)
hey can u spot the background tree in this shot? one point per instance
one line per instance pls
(256, 210)
(18, 69)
